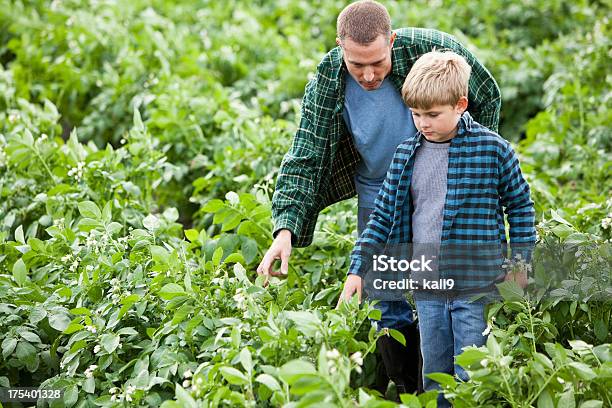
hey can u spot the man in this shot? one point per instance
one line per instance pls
(353, 118)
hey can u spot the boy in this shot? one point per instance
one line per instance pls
(448, 185)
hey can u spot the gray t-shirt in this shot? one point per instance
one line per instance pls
(379, 121)
(428, 191)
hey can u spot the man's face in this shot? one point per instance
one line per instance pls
(368, 64)
(439, 123)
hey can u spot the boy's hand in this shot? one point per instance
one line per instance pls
(518, 277)
(351, 286)
(280, 249)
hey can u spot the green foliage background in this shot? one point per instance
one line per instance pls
(139, 144)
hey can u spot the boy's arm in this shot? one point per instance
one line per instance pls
(519, 208)
(379, 226)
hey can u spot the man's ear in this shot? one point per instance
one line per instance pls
(393, 35)
(462, 104)
(338, 42)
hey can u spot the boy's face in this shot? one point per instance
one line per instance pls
(368, 64)
(439, 123)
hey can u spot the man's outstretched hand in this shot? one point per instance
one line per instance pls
(280, 249)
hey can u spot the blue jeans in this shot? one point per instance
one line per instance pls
(447, 325)
(395, 314)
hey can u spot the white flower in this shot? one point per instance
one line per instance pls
(66, 258)
(91, 329)
(97, 349)
(487, 330)
(561, 380)
(357, 358)
(484, 362)
(90, 370)
(333, 354)
(89, 268)
(187, 374)
(113, 390)
(113, 398)
(186, 383)
(606, 222)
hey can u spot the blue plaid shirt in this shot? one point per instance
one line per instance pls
(484, 180)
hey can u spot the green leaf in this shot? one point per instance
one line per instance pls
(151, 222)
(375, 314)
(89, 209)
(25, 351)
(192, 234)
(59, 321)
(307, 384)
(545, 400)
(511, 291)
(555, 216)
(89, 386)
(268, 381)
(294, 369)
(217, 255)
(411, 401)
(213, 206)
(170, 291)
(107, 212)
(246, 360)
(566, 400)
(71, 395)
(249, 250)
(601, 329)
(19, 234)
(29, 336)
(470, 357)
(584, 371)
(397, 335)
(591, 404)
(20, 272)
(233, 376)
(308, 323)
(446, 380)
(73, 327)
(8, 346)
(184, 398)
(110, 342)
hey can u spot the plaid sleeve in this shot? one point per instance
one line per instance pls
(299, 175)
(518, 206)
(379, 226)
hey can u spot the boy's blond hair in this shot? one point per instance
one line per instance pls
(436, 78)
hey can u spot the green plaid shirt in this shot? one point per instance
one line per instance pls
(319, 168)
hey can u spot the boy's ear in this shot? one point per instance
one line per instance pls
(462, 104)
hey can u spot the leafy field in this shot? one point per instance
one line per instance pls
(139, 145)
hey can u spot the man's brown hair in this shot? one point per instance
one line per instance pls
(363, 21)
